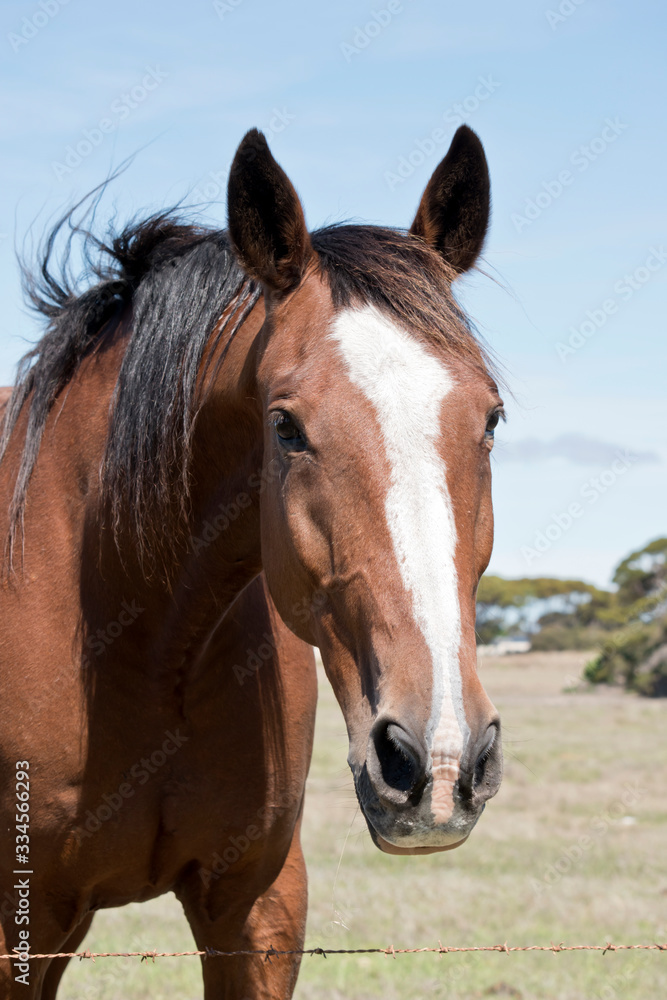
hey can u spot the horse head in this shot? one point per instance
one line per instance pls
(378, 413)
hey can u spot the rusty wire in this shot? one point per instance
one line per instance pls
(390, 952)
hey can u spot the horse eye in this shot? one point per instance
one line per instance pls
(288, 432)
(491, 425)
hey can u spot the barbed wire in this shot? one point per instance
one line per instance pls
(390, 952)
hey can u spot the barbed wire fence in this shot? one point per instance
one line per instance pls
(269, 953)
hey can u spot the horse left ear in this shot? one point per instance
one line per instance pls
(453, 214)
(266, 220)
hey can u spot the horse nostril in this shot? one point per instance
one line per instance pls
(480, 766)
(400, 759)
(487, 771)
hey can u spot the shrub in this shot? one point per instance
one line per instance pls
(635, 657)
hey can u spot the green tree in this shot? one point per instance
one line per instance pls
(635, 654)
(643, 573)
(570, 610)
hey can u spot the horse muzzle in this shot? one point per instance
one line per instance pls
(415, 802)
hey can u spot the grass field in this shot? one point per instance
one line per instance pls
(573, 850)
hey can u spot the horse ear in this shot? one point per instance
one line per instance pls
(266, 220)
(453, 214)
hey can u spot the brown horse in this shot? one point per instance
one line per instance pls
(227, 447)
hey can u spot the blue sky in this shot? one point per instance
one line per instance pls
(568, 99)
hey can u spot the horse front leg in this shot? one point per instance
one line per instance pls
(36, 979)
(223, 919)
(57, 967)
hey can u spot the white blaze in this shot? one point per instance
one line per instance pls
(406, 386)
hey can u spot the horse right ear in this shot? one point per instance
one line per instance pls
(266, 220)
(453, 214)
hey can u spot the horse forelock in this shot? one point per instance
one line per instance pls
(407, 281)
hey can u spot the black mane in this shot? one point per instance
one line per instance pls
(178, 279)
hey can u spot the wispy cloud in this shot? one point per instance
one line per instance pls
(575, 448)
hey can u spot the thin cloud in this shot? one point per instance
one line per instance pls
(575, 448)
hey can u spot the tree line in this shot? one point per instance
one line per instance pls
(626, 626)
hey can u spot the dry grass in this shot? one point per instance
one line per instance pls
(583, 764)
